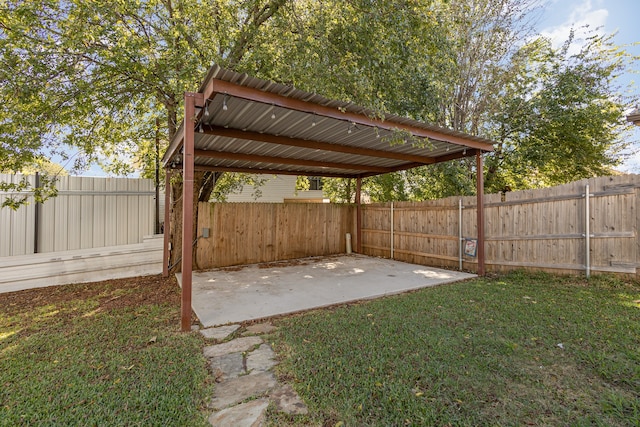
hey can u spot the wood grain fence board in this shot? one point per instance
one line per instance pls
(543, 227)
(248, 233)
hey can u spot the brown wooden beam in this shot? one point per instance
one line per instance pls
(456, 155)
(359, 215)
(271, 171)
(219, 86)
(287, 161)
(439, 159)
(187, 208)
(480, 215)
(314, 145)
(174, 146)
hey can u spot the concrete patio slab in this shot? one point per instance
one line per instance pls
(238, 294)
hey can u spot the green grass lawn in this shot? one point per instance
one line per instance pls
(522, 349)
(101, 354)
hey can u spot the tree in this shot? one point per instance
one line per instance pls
(48, 173)
(483, 73)
(108, 77)
(563, 119)
(96, 75)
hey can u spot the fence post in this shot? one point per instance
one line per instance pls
(359, 215)
(587, 234)
(460, 238)
(36, 219)
(391, 230)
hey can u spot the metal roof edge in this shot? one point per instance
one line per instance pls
(242, 79)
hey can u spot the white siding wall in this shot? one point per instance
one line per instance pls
(275, 190)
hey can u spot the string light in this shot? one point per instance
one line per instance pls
(351, 126)
(206, 108)
(464, 152)
(200, 128)
(224, 102)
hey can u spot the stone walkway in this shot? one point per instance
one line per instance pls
(245, 383)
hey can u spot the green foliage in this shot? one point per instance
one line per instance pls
(302, 183)
(45, 189)
(340, 190)
(377, 54)
(519, 349)
(99, 76)
(107, 78)
(19, 191)
(563, 120)
(233, 183)
(44, 166)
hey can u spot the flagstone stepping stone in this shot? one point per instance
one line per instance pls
(250, 414)
(260, 328)
(220, 332)
(227, 366)
(288, 401)
(238, 389)
(234, 346)
(260, 360)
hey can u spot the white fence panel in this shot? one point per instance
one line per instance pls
(16, 230)
(87, 213)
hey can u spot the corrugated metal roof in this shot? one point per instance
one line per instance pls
(269, 127)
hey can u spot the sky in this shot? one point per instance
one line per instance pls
(556, 20)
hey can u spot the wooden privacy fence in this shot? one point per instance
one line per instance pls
(247, 233)
(588, 225)
(87, 213)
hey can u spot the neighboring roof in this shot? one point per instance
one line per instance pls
(246, 124)
(634, 117)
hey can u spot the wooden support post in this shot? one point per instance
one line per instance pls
(480, 205)
(359, 215)
(460, 236)
(167, 220)
(187, 209)
(157, 178)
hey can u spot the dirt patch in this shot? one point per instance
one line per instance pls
(118, 293)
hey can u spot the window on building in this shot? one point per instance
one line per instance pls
(315, 183)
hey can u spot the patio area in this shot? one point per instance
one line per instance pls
(244, 293)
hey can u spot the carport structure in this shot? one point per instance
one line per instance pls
(239, 123)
